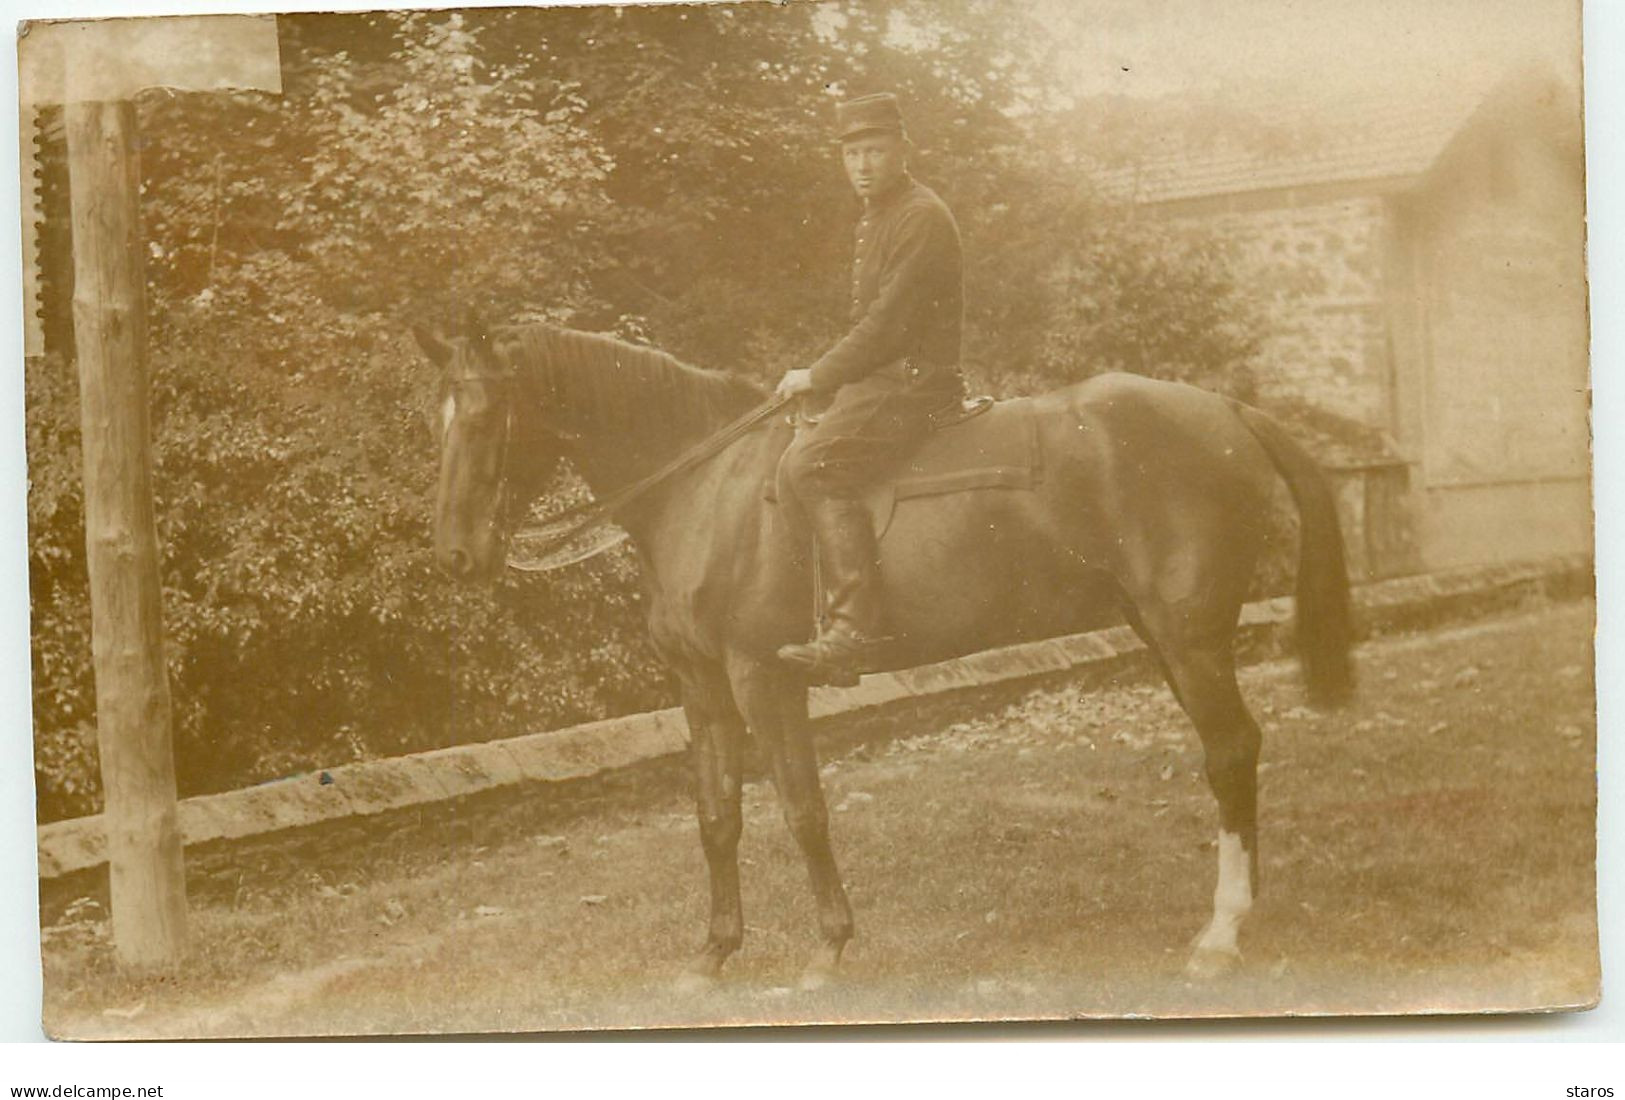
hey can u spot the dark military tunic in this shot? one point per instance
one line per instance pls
(900, 361)
(907, 288)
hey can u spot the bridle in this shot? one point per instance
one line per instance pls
(588, 529)
(505, 382)
(554, 535)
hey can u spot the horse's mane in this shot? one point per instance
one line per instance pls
(635, 392)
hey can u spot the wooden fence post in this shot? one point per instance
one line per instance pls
(132, 687)
(96, 67)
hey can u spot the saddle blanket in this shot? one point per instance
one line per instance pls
(997, 449)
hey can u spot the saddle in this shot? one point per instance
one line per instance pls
(978, 445)
(982, 444)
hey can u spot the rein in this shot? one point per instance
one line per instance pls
(584, 531)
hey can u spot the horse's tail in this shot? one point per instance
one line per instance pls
(1325, 626)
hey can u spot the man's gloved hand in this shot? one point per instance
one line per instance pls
(795, 382)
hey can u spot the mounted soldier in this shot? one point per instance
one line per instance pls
(880, 383)
(1117, 496)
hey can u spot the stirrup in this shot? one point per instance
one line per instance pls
(960, 411)
(832, 658)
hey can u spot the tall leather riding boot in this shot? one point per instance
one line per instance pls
(848, 557)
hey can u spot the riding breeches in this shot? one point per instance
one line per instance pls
(868, 426)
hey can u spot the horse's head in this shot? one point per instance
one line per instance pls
(483, 483)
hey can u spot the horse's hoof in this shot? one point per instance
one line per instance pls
(701, 975)
(1206, 963)
(691, 983)
(821, 972)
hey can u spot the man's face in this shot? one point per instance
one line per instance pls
(874, 162)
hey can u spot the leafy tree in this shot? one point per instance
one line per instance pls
(1152, 298)
(305, 621)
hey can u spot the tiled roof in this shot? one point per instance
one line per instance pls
(1379, 138)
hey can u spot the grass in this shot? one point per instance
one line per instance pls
(1046, 856)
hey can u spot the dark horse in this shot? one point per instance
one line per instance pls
(1151, 507)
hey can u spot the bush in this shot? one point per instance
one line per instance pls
(305, 622)
(1153, 298)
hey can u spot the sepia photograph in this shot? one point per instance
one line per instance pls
(592, 519)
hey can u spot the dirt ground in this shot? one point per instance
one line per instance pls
(1045, 855)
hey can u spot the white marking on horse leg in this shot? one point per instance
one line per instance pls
(1232, 897)
(448, 410)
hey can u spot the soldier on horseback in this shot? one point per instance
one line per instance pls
(882, 381)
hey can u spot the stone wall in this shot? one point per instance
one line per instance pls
(445, 775)
(1318, 268)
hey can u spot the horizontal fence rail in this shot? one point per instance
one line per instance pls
(376, 786)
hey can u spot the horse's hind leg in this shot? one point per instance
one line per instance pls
(1203, 677)
(775, 708)
(717, 733)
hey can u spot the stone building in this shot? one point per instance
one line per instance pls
(1424, 270)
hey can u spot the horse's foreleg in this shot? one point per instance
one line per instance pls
(717, 732)
(775, 707)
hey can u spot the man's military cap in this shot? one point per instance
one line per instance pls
(868, 114)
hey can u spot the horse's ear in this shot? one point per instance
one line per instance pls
(433, 345)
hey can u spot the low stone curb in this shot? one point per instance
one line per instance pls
(375, 786)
